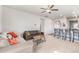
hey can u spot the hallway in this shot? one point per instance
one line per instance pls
(52, 45)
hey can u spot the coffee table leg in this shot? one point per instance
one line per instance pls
(34, 46)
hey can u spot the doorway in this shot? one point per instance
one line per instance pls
(73, 25)
(42, 22)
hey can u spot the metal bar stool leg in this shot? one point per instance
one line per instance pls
(65, 35)
(73, 36)
(69, 35)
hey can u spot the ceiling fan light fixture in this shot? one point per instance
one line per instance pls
(48, 10)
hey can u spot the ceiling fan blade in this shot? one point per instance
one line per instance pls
(51, 6)
(54, 9)
(43, 8)
(43, 11)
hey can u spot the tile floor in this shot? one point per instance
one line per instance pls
(52, 45)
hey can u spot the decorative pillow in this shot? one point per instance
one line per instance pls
(13, 34)
(12, 38)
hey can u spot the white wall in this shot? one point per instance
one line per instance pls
(0, 18)
(15, 20)
(46, 25)
(48, 29)
(75, 25)
(18, 21)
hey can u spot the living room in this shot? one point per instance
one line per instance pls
(53, 25)
(13, 19)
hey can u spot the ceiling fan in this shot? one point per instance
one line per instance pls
(49, 9)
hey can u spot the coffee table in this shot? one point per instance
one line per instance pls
(36, 41)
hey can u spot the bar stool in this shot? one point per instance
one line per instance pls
(54, 32)
(68, 34)
(63, 34)
(75, 35)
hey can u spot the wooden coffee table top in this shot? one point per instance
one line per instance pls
(37, 37)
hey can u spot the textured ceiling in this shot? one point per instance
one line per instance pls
(64, 10)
